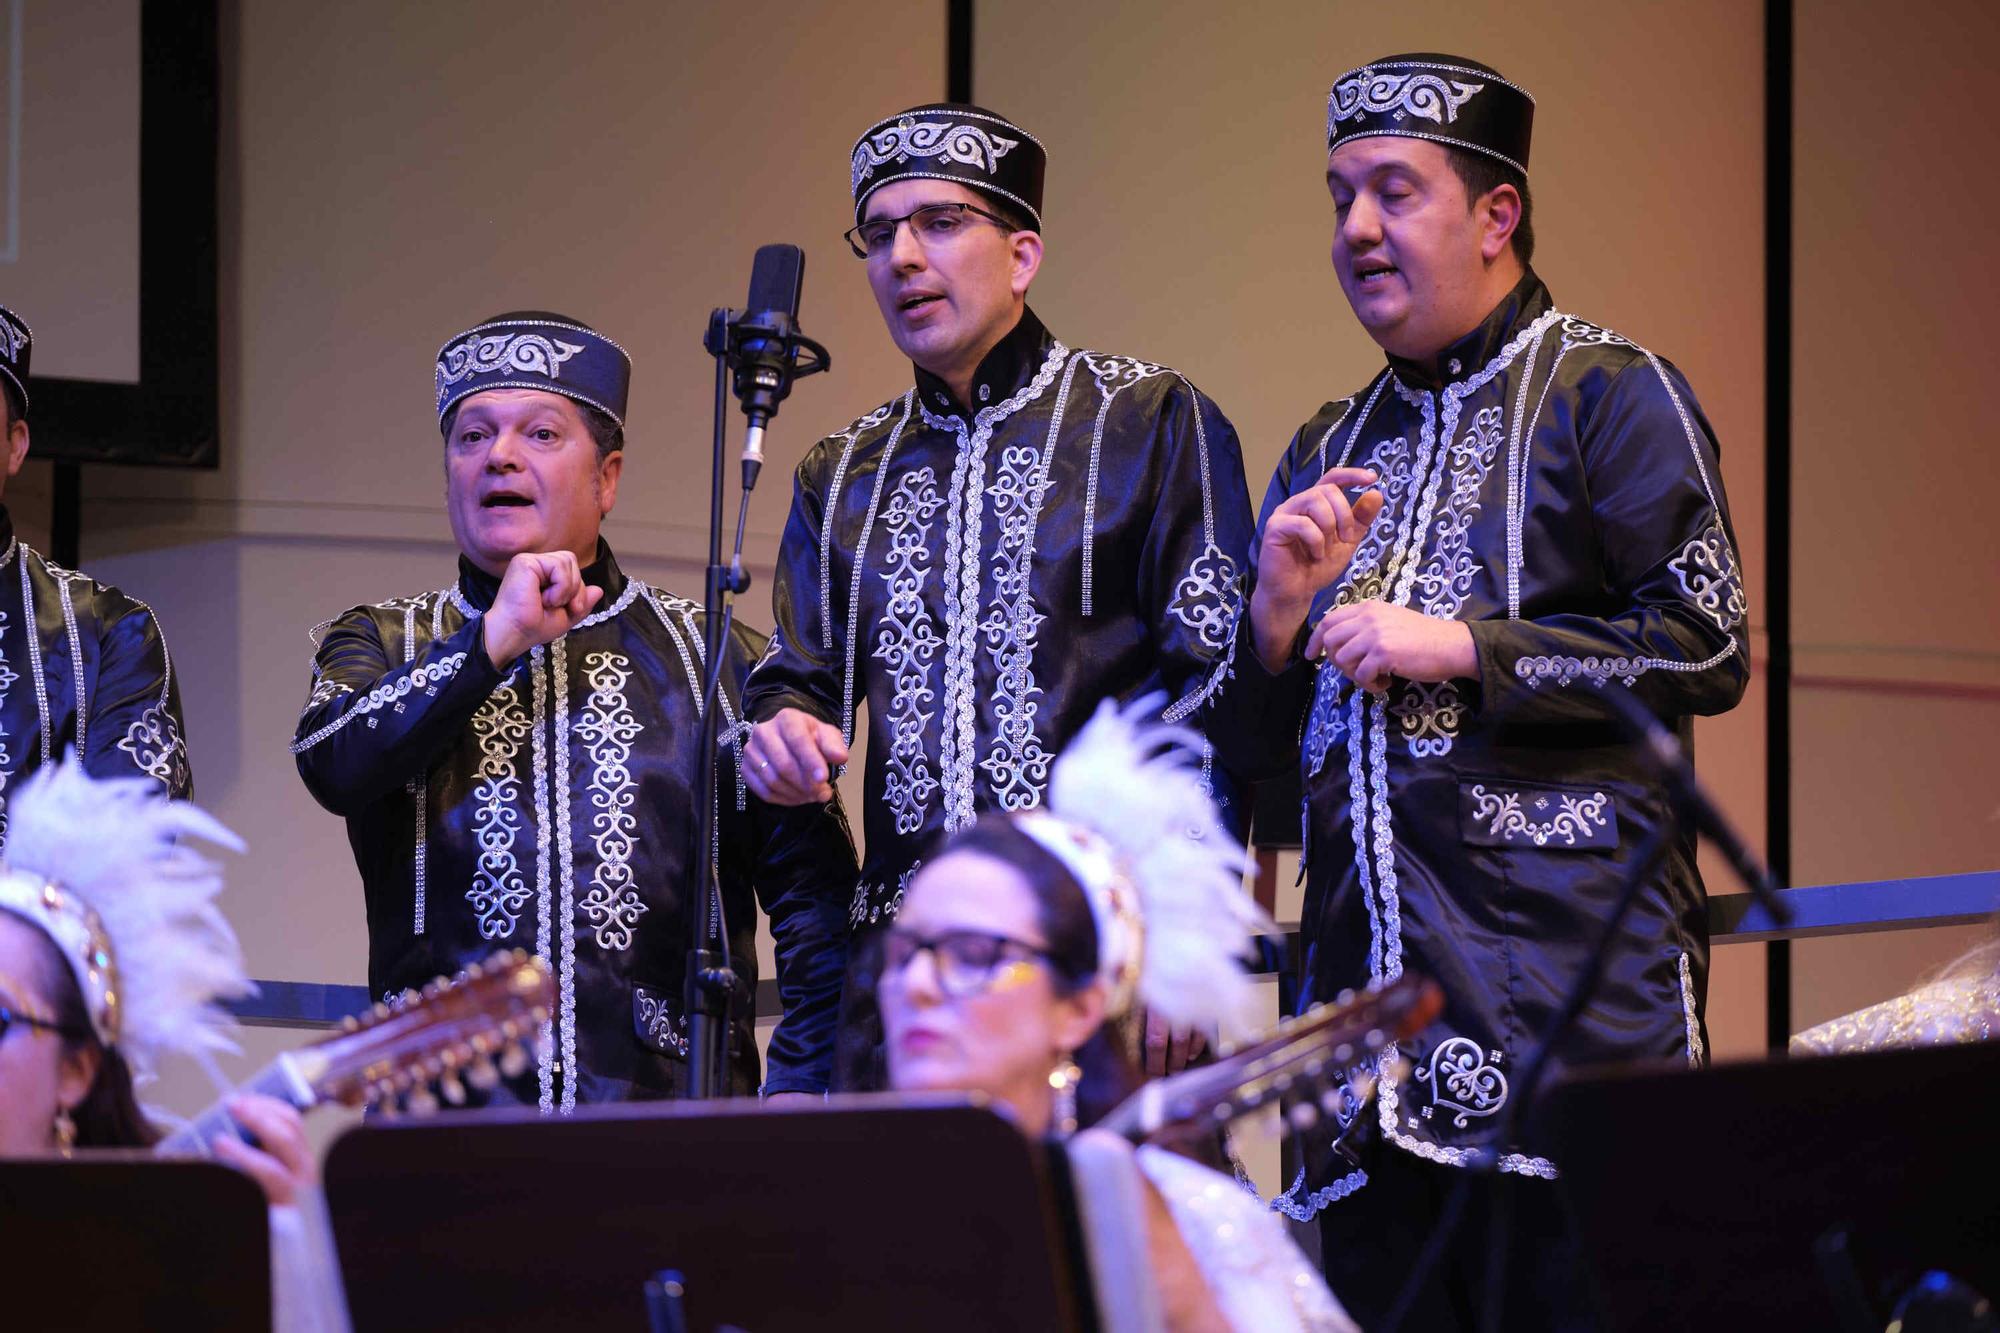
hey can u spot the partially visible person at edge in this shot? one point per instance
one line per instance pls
(1521, 513)
(517, 753)
(1027, 529)
(1024, 949)
(113, 955)
(82, 665)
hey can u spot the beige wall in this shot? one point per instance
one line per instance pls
(1188, 222)
(1896, 553)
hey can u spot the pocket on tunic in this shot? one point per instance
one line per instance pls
(1505, 812)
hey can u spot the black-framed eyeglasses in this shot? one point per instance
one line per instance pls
(9, 1017)
(932, 223)
(965, 960)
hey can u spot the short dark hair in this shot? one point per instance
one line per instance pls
(1006, 210)
(16, 409)
(1482, 173)
(605, 432)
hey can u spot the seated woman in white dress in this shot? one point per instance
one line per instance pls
(113, 954)
(1021, 957)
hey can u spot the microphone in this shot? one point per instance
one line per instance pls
(765, 345)
(1672, 764)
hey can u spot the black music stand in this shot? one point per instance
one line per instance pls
(1725, 1198)
(124, 1243)
(862, 1213)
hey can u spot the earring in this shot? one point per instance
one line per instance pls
(1063, 1079)
(65, 1132)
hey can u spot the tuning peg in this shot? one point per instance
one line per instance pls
(514, 1060)
(1330, 1101)
(421, 1101)
(453, 1090)
(379, 1010)
(1343, 1053)
(1302, 1116)
(350, 1023)
(481, 1073)
(1345, 997)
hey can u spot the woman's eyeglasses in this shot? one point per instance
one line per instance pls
(965, 960)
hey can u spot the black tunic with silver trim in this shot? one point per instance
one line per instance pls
(983, 575)
(1555, 486)
(550, 807)
(83, 667)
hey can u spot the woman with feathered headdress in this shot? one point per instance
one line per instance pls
(1024, 953)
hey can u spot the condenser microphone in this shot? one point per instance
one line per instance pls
(765, 345)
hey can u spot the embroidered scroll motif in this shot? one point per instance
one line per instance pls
(872, 904)
(530, 353)
(1016, 765)
(427, 678)
(1202, 598)
(656, 1024)
(499, 890)
(1543, 818)
(1429, 97)
(326, 690)
(1365, 578)
(1464, 1079)
(612, 903)
(906, 643)
(8, 676)
(1447, 576)
(967, 145)
(1113, 373)
(1566, 670)
(1706, 568)
(1697, 1056)
(154, 742)
(1429, 716)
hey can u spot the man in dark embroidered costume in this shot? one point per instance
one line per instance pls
(82, 665)
(982, 559)
(1521, 513)
(517, 754)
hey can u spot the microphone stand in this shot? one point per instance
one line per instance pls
(712, 987)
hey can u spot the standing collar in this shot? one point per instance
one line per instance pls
(1466, 357)
(6, 528)
(478, 587)
(1010, 365)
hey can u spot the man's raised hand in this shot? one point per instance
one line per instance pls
(542, 597)
(1305, 545)
(790, 759)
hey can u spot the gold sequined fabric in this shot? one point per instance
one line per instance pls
(1956, 1009)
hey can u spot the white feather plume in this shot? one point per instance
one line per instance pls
(122, 847)
(1136, 783)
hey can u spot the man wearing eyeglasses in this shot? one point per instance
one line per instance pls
(1025, 531)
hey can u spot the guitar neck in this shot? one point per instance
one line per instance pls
(279, 1079)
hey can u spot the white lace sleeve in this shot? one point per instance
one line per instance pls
(1261, 1281)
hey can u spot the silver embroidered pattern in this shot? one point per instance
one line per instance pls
(1304, 1210)
(1505, 819)
(544, 904)
(499, 891)
(861, 563)
(484, 353)
(1429, 716)
(659, 1025)
(63, 599)
(1113, 374)
(964, 144)
(1706, 568)
(422, 677)
(1599, 671)
(1464, 1080)
(608, 728)
(1371, 91)
(8, 677)
(1223, 670)
(1204, 596)
(566, 867)
(963, 549)
(872, 904)
(1697, 1056)
(906, 643)
(153, 741)
(1446, 577)
(1016, 765)
(831, 508)
(1388, 1105)
(33, 639)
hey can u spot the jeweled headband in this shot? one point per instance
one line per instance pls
(553, 355)
(16, 342)
(79, 937)
(951, 141)
(1447, 99)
